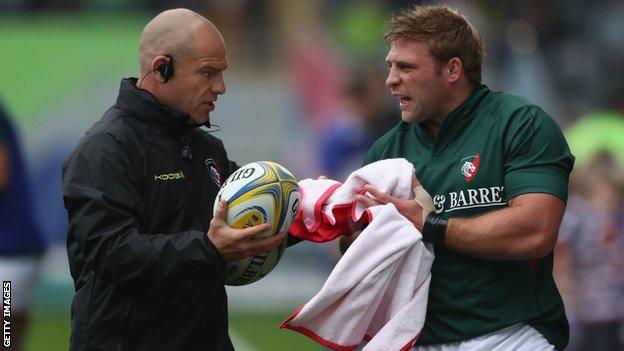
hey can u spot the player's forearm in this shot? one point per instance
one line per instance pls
(506, 234)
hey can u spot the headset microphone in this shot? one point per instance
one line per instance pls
(208, 125)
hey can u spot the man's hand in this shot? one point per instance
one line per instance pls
(415, 210)
(235, 244)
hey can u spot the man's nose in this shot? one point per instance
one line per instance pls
(219, 86)
(393, 78)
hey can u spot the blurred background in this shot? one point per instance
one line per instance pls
(306, 89)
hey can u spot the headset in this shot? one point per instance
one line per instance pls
(166, 69)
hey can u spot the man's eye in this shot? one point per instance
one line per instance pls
(209, 74)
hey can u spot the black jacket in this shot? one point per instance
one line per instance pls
(139, 190)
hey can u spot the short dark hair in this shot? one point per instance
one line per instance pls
(447, 33)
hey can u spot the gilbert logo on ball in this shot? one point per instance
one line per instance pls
(259, 192)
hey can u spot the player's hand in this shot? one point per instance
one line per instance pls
(415, 210)
(235, 244)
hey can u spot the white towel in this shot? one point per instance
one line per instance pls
(378, 290)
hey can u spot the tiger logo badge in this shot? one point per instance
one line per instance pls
(470, 167)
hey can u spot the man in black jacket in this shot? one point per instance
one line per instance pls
(146, 256)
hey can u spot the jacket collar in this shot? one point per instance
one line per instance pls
(143, 105)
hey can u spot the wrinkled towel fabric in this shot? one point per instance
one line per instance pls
(378, 290)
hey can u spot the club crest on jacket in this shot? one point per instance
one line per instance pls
(213, 171)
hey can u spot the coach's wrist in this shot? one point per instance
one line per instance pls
(434, 230)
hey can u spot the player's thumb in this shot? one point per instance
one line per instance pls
(415, 181)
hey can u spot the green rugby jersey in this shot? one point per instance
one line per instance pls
(491, 148)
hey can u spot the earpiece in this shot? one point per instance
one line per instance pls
(166, 69)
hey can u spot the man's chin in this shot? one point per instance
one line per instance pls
(201, 120)
(407, 116)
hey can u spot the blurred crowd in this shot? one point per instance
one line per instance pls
(589, 265)
(567, 56)
(563, 53)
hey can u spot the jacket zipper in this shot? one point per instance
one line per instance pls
(186, 145)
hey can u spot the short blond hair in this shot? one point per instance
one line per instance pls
(447, 33)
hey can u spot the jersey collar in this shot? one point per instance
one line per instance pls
(456, 119)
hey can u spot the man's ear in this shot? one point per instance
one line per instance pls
(163, 66)
(454, 69)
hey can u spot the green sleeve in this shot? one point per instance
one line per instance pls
(372, 155)
(537, 156)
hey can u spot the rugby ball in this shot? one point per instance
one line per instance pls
(257, 193)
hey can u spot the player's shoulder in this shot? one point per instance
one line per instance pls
(384, 143)
(510, 108)
(504, 103)
(395, 132)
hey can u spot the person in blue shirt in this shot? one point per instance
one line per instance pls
(365, 115)
(21, 241)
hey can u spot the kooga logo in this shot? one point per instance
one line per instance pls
(169, 176)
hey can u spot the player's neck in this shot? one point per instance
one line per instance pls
(458, 97)
(454, 100)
